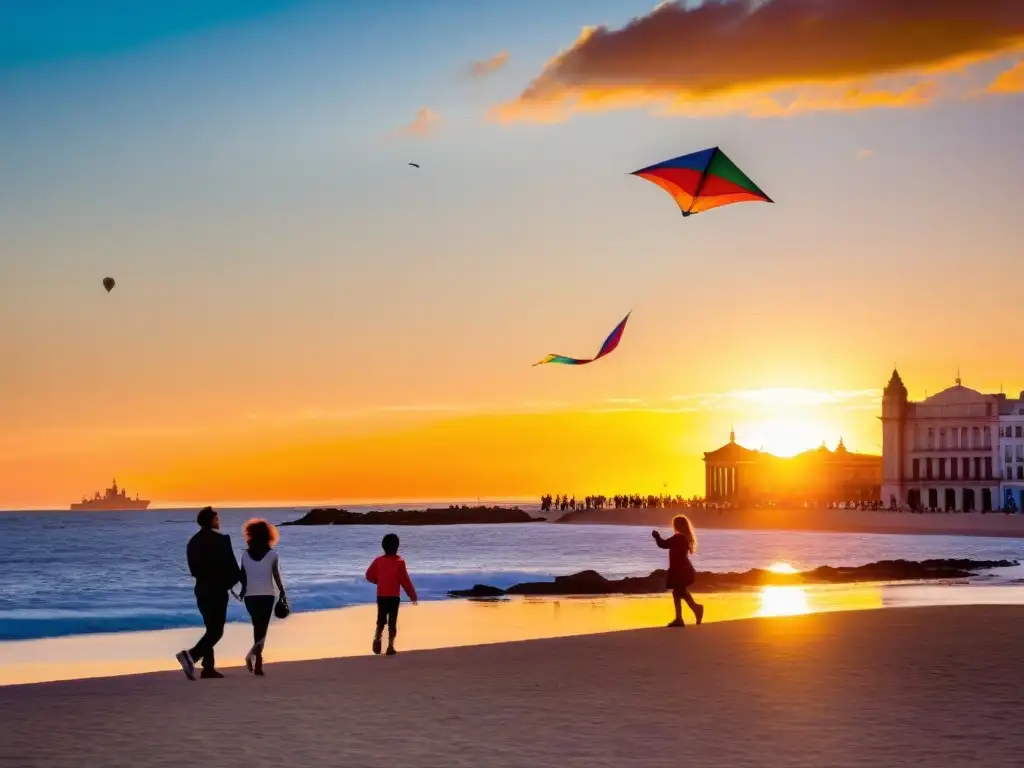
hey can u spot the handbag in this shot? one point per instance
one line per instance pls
(281, 608)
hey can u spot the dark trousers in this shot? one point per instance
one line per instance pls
(214, 609)
(260, 608)
(387, 613)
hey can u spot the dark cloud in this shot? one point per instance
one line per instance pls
(738, 49)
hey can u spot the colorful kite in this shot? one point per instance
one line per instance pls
(607, 348)
(703, 180)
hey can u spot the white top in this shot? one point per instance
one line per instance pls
(259, 574)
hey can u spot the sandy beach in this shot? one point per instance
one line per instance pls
(909, 687)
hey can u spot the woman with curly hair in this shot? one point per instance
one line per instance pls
(261, 569)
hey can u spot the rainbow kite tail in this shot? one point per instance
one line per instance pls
(562, 360)
(613, 338)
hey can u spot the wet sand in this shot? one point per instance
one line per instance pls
(345, 632)
(909, 687)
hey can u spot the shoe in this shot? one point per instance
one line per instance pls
(390, 651)
(258, 672)
(249, 659)
(210, 674)
(187, 665)
(699, 613)
(677, 623)
(376, 646)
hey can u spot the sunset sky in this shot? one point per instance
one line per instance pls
(301, 316)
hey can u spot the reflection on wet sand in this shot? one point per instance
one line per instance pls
(348, 631)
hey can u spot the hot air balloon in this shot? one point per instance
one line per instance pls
(108, 283)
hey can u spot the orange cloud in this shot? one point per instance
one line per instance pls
(1010, 81)
(425, 123)
(750, 55)
(488, 66)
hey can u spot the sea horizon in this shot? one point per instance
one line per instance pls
(369, 504)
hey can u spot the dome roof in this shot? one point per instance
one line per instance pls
(956, 395)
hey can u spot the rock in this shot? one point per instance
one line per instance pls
(450, 516)
(478, 591)
(593, 583)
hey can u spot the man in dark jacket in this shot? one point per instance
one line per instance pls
(214, 567)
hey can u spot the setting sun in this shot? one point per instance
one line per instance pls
(781, 567)
(784, 436)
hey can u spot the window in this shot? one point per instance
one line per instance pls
(1017, 432)
(1009, 472)
(1008, 454)
(942, 469)
(1001, 432)
(917, 469)
(953, 465)
(928, 468)
(963, 438)
(966, 464)
(977, 467)
(975, 437)
(988, 437)
(931, 438)
(1020, 472)
(942, 439)
(988, 467)
(1020, 452)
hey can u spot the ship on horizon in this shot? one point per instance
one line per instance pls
(113, 499)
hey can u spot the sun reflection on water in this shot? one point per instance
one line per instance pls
(783, 601)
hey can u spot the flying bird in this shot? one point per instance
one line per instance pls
(415, 165)
(703, 180)
(607, 348)
(108, 283)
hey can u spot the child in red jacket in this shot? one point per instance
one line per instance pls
(390, 575)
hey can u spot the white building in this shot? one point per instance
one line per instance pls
(1011, 452)
(942, 452)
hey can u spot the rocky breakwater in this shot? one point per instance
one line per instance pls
(450, 516)
(593, 583)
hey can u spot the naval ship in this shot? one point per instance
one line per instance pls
(113, 499)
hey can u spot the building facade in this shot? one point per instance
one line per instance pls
(737, 475)
(944, 452)
(1011, 451)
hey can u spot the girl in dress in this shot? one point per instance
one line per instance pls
(681, 573)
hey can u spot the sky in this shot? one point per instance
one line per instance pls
(302, 316)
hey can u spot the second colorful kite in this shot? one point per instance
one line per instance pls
(609, 346)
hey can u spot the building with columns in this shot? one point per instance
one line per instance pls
(1011, 451)
(942, 452)
(737, 475)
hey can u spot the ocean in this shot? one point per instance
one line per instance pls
(68, 573)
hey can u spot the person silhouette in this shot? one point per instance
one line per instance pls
(212, 563)
(681, 573)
